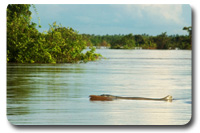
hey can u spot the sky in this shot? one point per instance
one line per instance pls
(116, 18)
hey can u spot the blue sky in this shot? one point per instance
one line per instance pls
(115, 18)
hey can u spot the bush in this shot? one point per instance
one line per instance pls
(58, 45)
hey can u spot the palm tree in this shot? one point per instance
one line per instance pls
(189, 30)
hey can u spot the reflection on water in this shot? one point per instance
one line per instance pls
(58, 94)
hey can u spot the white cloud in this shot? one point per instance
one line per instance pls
(84, 19)
(156, 12)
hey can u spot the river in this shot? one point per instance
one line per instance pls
(58, 94)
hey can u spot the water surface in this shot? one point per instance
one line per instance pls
(57, 94)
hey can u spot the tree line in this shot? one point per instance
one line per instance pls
(145, 41)
(25, 44)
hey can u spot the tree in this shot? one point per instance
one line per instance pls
(21, 33)
(162, 41)
(25, 44)
(189, 30)
(139, 40)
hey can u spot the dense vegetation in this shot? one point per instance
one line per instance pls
(130, 41)
(25, 44)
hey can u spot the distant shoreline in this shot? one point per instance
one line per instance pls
(103, 47)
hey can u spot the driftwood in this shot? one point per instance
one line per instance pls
(105, 97)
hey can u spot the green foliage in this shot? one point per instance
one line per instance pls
(104, 40)
(26, 45)
(189, 30)
(64, 45)
(162, 41)
(90, 55)
(21, 34)
(130, 41)
(126, 42)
